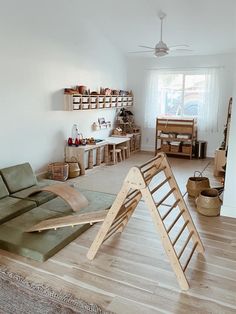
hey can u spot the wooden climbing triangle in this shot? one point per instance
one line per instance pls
(145, 182)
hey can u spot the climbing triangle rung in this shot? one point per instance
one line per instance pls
(160, 185)
(165, 197)
(151, 175)
(150, 161)
(190, 256)
(128, 200)
(175, 221)
(185, 244)
(181, 231)
(170, 210)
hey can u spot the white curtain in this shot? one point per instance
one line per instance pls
(151, 99)
(209, 109)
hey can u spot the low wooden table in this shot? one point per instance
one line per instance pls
(113, 141)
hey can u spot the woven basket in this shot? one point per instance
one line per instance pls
(58, 171)
(165, 147)
(209, 203)
(74, 170)
(196, 184)
(186, 149)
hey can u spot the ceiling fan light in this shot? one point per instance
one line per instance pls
(161, 53)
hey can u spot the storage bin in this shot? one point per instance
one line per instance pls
(186, 149)
(58, 171)
(165, 148)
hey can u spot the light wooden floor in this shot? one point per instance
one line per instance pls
(131, 273)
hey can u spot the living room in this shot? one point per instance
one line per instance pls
(47, 46)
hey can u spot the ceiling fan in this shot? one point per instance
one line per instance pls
(161, 49)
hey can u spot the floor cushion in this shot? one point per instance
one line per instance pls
(42, 245)
(11, 207)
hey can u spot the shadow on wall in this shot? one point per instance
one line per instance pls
(57, 100)
(57, 148)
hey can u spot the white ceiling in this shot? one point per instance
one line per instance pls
(208, 26)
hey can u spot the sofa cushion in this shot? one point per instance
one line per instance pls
(18, 177)
(3, 189)
(11, 207)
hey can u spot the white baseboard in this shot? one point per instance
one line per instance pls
(228, 211)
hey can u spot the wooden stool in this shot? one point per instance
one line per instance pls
(117, 154)
(124, 151)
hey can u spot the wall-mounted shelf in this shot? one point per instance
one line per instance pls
(85, 102)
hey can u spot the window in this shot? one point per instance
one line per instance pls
(181, 94)
(184, 93)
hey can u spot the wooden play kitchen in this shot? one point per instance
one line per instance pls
(138, 185)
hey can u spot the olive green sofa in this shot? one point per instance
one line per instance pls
(20, 209)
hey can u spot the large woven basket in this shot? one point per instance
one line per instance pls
(196, 184)
(208, 202)
(58, 171)
(74, 170)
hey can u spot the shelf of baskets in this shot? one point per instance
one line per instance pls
(84, 102)
(175, 136)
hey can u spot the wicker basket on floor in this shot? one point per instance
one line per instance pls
(74, 170)
(58, 171)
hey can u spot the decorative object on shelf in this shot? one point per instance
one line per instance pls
(74, 133)
(209, 203)
(102, 124)
(118, 131)
(196, 184)
(77, 142)
(82, 89)
(70, 141)
(58, 171)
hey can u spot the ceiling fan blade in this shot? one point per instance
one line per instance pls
(183, 49)
(141, 51)
(147, 47)
(178, 47)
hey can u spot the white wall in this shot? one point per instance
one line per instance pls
(136, 80)
(229, 201)
(46, 46)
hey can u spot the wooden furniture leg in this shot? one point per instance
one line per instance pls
(90, 159)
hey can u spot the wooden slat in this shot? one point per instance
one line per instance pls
(71, 220)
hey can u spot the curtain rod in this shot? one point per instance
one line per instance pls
(187, 68)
